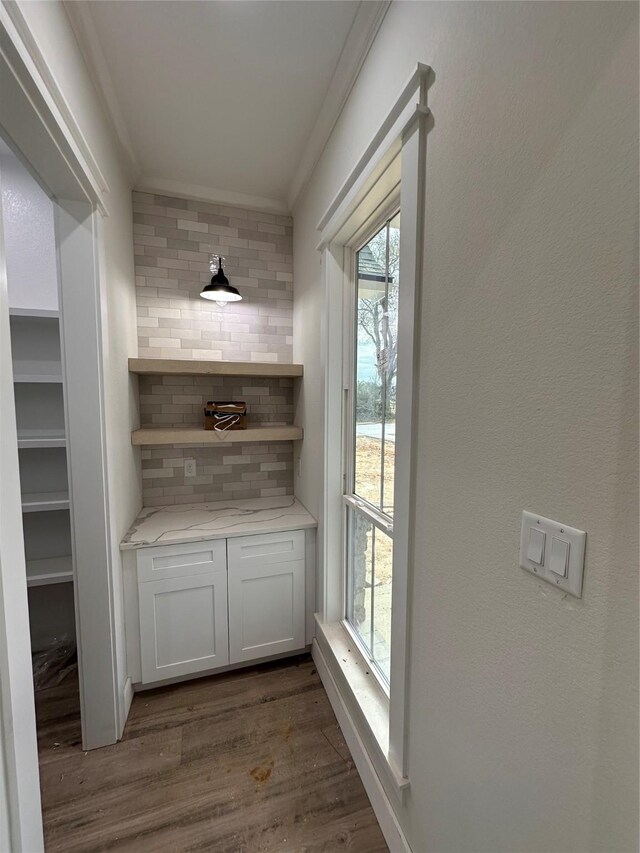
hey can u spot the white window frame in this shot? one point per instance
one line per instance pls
(389, 175)
(349, 498)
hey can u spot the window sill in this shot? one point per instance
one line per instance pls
(364, 699)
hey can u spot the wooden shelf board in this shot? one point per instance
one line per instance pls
(49, 571)
(45, 501)
(196, 435)
(193, 367)
(30, 438)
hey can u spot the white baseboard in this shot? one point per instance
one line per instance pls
(380, 803)
(127, 699)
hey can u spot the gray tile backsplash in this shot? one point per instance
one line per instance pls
(172, 241)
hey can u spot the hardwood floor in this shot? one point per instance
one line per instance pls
(246, 761)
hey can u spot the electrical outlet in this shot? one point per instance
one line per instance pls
(189, 467)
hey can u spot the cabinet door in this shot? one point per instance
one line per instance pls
(266, 599)
(183, 625)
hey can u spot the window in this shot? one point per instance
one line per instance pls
(370, 446)
(368, 517)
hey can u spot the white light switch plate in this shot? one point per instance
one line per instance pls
(576, 539)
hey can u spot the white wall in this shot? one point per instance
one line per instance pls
(523, 718)
(29, 237)
(52, 31)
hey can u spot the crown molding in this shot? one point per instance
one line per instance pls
(213, 195)
(36, 79)
(361, 36)
(84, 29)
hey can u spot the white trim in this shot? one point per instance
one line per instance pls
(20, 808)
(77, 242)
(361, 36)
(195, 192)
(395, 165)
(330, 521)
(365, 698)
(12, 18)
(380, 802)
(412, 211)
(378, 518)
(389, 133)
(127, 698)
(84, 29)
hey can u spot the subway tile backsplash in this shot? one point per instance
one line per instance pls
(230, 472)
(180, 400)
(173, 238)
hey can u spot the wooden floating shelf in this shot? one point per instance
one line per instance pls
(45, 501)
(193, 367)
(196, 435)
(49, 571)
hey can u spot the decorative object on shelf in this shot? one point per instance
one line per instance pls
(225, 416)
(219, 290)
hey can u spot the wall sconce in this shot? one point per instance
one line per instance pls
(219, 290)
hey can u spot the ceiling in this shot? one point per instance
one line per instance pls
(220, 95)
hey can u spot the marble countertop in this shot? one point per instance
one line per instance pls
(163, 525)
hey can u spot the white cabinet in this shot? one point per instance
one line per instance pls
(266, 595)
(183, 624)
(204, 605)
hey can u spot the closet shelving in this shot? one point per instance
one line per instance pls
(34, 438)
(37, 376)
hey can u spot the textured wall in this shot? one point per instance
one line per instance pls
(235, 471)
(27, 214)
(173, 238)
(523, 718)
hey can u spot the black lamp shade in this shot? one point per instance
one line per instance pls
(219, 290)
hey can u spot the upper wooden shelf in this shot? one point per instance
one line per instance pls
(193, 367)
(197, 435)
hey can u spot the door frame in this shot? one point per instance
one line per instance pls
(41, 130)
(20, 808)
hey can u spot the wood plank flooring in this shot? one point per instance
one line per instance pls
(244, 762)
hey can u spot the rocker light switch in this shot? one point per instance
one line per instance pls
(559, 557)
(535, 551)
(553, 552)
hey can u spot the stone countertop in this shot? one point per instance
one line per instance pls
(164, 525)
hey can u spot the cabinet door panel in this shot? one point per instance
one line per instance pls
(185, 559)
(183, 625)
(266, 610)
